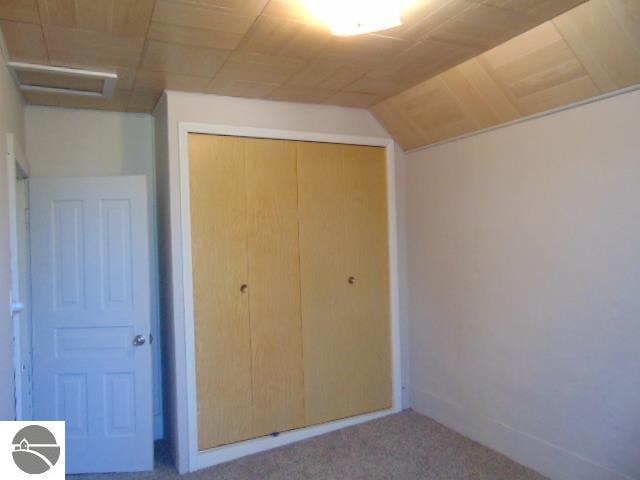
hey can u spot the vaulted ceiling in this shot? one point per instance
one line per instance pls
(591, 50)
(435, 77)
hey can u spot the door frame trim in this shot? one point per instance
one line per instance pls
(16, 166)
(197, 460)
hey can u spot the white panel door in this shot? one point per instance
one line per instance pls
(91, 319)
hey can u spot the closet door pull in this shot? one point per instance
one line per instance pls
(244, 287)
(351, 280)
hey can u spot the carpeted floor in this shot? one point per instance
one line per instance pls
(406, 446)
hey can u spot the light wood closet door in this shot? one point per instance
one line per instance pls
(244, 215)
(345, 280)
(274, 286)
(221, 309)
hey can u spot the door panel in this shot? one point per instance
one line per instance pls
(83, 265)
(343, 234)
(116, 254)
(221, 309)
(274, 286)
(322, 260)
(368, 306)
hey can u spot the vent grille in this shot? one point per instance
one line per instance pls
(60, 80)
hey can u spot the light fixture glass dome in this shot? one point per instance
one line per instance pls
(355, 17)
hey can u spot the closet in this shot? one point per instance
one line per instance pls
(291, 284)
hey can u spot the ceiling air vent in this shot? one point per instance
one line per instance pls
(60, 80)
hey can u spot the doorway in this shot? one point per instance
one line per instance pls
(18, 198)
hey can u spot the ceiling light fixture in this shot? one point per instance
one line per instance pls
(355, 17)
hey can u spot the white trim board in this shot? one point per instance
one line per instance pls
(14, 292)
(196, 459)
(15, 169)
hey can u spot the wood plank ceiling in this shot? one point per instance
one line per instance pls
(254, 48)
(586, 52)
(453, 67)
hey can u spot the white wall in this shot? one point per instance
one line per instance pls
(212, 109)
(11, 121)
(82, 143)
(524, 276)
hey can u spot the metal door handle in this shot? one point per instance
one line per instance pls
(17, 307)
(139, 340)
(244, 288)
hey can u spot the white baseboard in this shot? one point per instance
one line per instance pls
(227, 453)
(550, 460)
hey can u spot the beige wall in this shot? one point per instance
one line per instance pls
(65, 142)
(524, 289)
(212, 109)
(11, 121)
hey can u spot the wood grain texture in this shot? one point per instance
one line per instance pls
(422, 17)
(181, 59)
(258, 68)
(394, 115)
(426, 59)
(25, 41)
(170, 81)
(91, 49)
(368, 321)
(285, 38)
(221, 310)
(199, 24)
(327, 75)
(483, 27)
(294, 221)
(479, 94)
(539, 71)
(20, 11)
(587, 51)
(353, 99)
(604, 36)
(342, 203)
(120, 18)
(290, 93)
(424, 114)
(238, 88)
(274, 285)
(264, 48)
(453, 67)
(543, 9)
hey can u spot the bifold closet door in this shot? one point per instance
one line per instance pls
(345, 280)
(221, 309)
(246, 287)
(274, 286)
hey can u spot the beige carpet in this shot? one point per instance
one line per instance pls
(406, 446)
